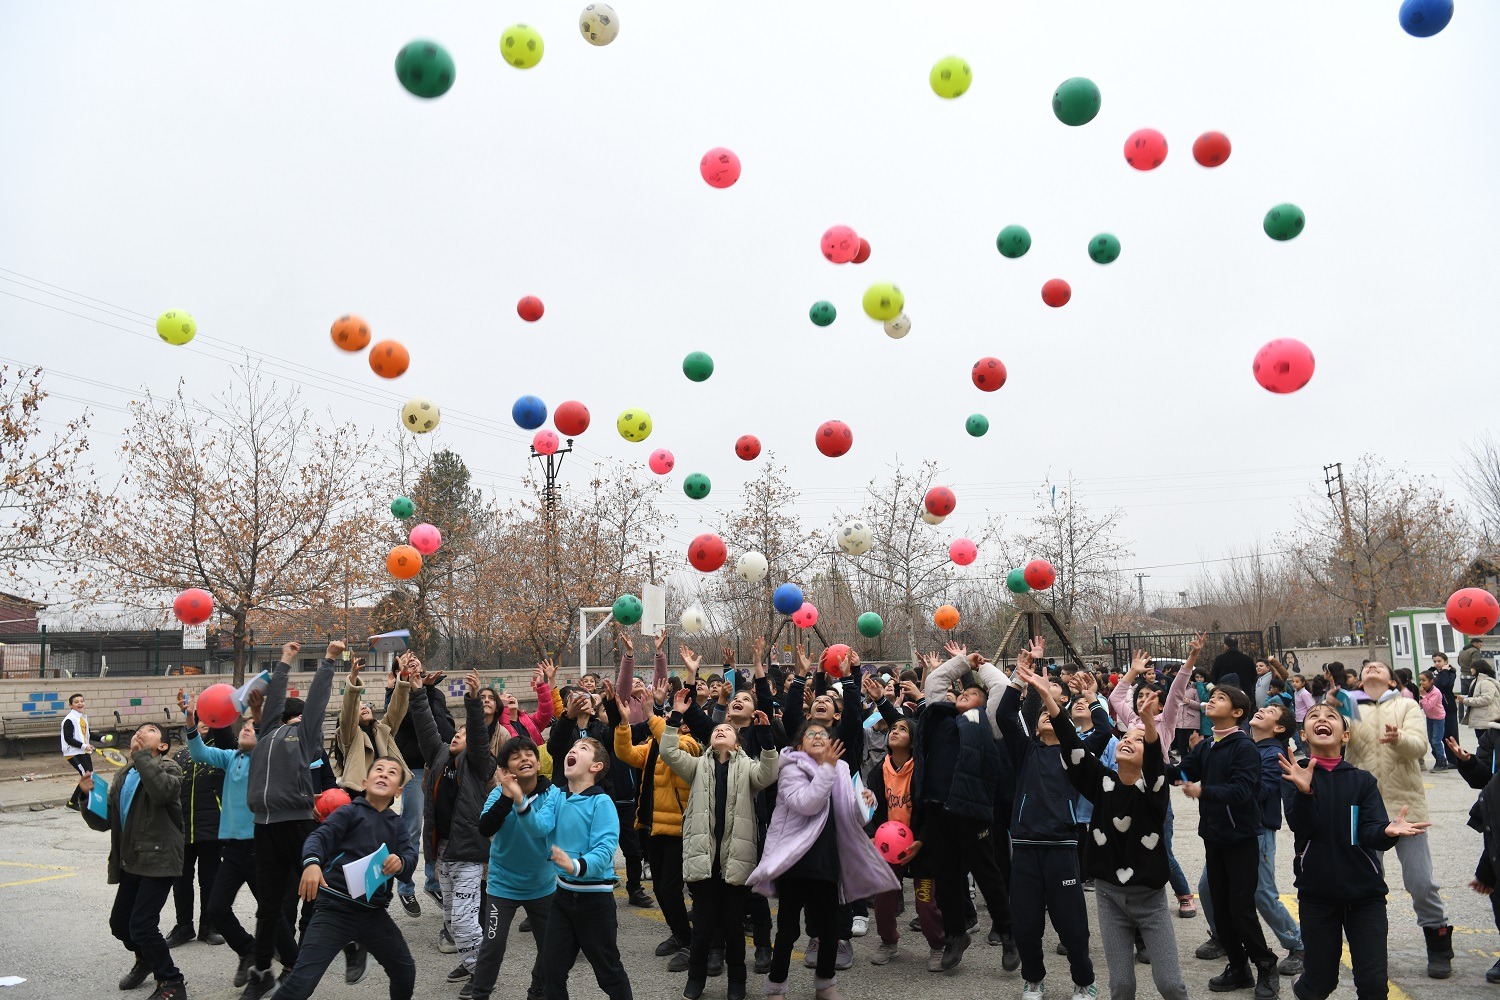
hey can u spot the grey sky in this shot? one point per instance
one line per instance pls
(260, 167)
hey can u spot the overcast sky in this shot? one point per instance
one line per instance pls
(261, 167)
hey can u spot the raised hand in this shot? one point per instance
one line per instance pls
(355, 668)
(661, 639)
(1300, 777)
(624, 708)
(682, 699)
(1139, 661)
(1088, 685)
(758, 650)
(1038, 648)
(659, 691)
(1150, 705)
(690, 659)
(1457, 752)
(954, 649)
(182, 702)
(911, 691)
(550, 670)
(623, 638)
(335, 649)
(833, 751)
(1196, 646)
(852, 660)
(289, 652)
(931, 661)
(728, 656)
(760, 718)
(509, 786)
(872, 688)
(803, 665)
(254, 701)
(471, 684)
(1401, 827)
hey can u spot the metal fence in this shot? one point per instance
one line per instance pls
(1174, 645)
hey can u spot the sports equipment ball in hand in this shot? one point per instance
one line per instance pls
(350, 333)
(176, 327)
(420, 415)
(894, 841)
(751, 567)
(529, 412)
(832, 660)
(1076, 101)
(599, 24)
(215, 707)
(1146, 149)
(634, 425)
(521, 45)
(855, 537)
(707, 553)
(389, 359)
(193, 606)
(425, 69)
(329, 801)
(950, 77)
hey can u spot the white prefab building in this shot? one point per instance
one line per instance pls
(1416, 633)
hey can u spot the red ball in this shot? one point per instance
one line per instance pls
(747, 447)
(1283, 365)
(1039, 574)
(1473, 611)
(215, 706)
(1211, 149)
(988, 374)
(707, 553)
(940, 501)
(571, 418)
(1056, 293)
(833, 659)
(864, 251)
(530, 308)
(193, 606)
(720, 167)
(834, 438)
(328, 801)
(894, 840)
(1145, 149)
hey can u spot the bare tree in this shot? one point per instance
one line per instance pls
(1083, 546)
(38, 474)
(258, 502)
(1481, 476)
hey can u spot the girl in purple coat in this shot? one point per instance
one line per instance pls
(817, 855)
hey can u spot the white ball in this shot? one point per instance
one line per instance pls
(751, 567)
(930, 517)
(855, 537)
(693, 621)
(420, 415)
(599, 23)
(897, 327)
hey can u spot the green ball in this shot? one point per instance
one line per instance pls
(1016, 581)
(1076, 101)
(628, 609)
(402, 508)
(1104, 248)
(1013, 242)
(425, 68)
(698, 366)
(823, 313)
(869, 625)
(1284, 221)
(977, 425)
(696, 486)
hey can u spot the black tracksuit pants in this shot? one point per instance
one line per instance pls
(1324, 927)
(718, 922)
(1045, 881)
(204, 855)
(1232, 872)
(586, 922)
(135, 920)
(278, 864)
(336, 923)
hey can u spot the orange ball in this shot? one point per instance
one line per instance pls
(404, 562)
(945, 617)
(350, 333)
(389, 359)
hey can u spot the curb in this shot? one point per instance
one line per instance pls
(39, 806)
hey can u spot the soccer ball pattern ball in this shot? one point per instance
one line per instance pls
(898, 327)
(855, 537)
(420, 415)
(521, 45)
(696, 486)
(751, 567)
(176, 327)
(600, 25)
(988, 374)
(634, 425)
(693, 621)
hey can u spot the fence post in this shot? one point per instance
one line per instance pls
(43, 659)
(155, 652)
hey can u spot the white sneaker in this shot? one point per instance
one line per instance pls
(861, 926)
(935, 964)
(1031, 991)
(1088, 992)
(446, 943)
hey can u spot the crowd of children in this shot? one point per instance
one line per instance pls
(762, 784)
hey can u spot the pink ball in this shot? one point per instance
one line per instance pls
(840, 244)
(893, 840)
(720, 167)
(545, 442)
(1145, 149)
(805, 616)
(1283, 365)
(661, 461)
(216, 708)
(963, 551)
(426, 539)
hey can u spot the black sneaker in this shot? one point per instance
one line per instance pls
(693, 990)
(736, 992)
(136, 976)
(181, 935)
(680, 961)
(670, 946)
(641, 898)
(258, 984)
(915, 923)
(1062, 949)
(1234, 977)
(356, 964)
(1291, 965)
(1493, 976)
(410, 905)
(467, 993)
(1267, 981)
(1010, 955)
(436, 896)
(525, 927)
(1210, 950)
(953, 951)
(172, 989)
(459, 974)
(763, 961)
(242, 974)
(715, 962)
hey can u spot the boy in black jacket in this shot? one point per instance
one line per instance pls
(1341, 827)
(1224, 775)
(344, 913)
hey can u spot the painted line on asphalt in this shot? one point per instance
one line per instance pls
(34, 881)
(1395, 992)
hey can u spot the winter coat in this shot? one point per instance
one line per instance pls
(1339, 835)
(282, 783)
(361, 745)
(668, 791)
(739, 844)
(1044, 813)
(530, 724)
(809, 795)
(202, 792)
(1397, 766)
(1483, 702)
(476, 770)
(406, 733)
(356, 831)
(1229, 771)
(1236, 662)
(150, 842)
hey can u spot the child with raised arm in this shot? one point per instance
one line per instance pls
(1341, 829)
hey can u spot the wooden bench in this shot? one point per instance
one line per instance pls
(23, 727)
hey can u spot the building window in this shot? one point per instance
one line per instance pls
(1400, 640)
(309, 665)
(1429, 638)
(1450, 639)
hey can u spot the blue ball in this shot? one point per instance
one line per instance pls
(529, 412)
(1425, 18)
(788, 598)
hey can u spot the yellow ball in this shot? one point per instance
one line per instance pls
(634, 425)
(176, 327)
(950, 77)
(521, 45)
(884, 301)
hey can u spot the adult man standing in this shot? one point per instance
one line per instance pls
(1232, 666)
(1388, 738)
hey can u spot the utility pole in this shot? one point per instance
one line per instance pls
(1333, 481)
(1140, 586)
(550, 468)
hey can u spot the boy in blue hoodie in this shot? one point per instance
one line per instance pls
(1341, 829)
(521, 874)
(344, 913)
(584, 832)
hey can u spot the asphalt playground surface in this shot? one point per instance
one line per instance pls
(54, 911)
